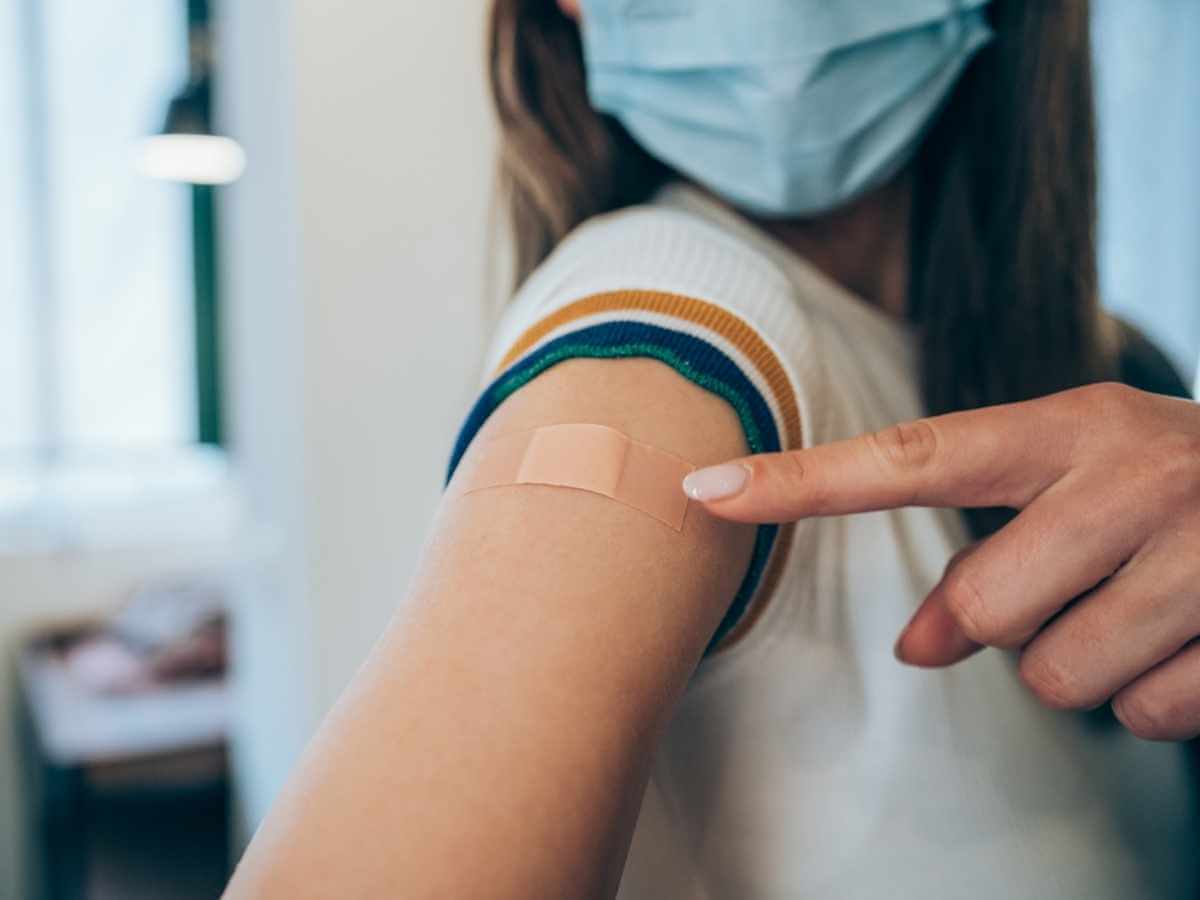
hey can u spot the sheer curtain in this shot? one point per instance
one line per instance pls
(97, 377)
(98, 388)
(96, 298)
(1147, 61)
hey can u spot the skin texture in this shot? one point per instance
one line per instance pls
(863, 246)
(1097, 580)
(497, 741)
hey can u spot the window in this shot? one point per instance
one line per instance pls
(98, 299)
(1148, 91)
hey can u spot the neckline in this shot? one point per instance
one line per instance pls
(833, 298)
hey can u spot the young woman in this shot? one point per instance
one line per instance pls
(744, 228)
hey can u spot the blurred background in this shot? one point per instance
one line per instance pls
(245, 263)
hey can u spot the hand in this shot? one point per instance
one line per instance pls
(1097, 580)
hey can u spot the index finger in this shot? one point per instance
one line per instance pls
(997, 456)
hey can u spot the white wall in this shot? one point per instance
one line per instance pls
(354, 253)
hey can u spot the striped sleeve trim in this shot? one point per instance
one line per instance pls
(704, 343)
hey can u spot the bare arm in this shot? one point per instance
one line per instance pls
(497, 742)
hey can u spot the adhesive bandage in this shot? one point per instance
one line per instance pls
(590, 458)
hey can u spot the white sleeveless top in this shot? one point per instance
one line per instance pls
(803, 760)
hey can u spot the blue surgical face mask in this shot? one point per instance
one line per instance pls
(782, 107)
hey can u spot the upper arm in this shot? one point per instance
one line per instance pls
(500, 735)
(643, 590)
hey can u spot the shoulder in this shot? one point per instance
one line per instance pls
(660, 282)
(655, 260)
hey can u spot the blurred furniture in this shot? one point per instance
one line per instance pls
(126, 790)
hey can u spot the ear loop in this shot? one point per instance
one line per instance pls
(592, 458)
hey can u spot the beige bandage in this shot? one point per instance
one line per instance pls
(590, 458)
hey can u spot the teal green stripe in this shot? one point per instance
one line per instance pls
(507, 387)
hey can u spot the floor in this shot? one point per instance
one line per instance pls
(158, 846)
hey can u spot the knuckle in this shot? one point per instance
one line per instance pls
(1112, 401)
(907, 446)
(1146, 715)
(969, 609)
(1170, 471)
(1053, 685)
(1189, 454)
(782, 473)
(962, 555)
(1181, 462)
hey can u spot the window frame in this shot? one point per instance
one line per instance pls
(49, 445)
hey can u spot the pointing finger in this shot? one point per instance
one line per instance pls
(999, 456)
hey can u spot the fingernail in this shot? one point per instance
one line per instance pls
(716, 482)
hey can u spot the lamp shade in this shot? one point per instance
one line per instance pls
(187, 150)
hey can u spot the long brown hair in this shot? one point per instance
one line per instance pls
(1003, 283)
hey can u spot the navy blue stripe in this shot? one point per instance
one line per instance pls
(698, 357)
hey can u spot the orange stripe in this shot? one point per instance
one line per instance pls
(741, 336)
(698, 312)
